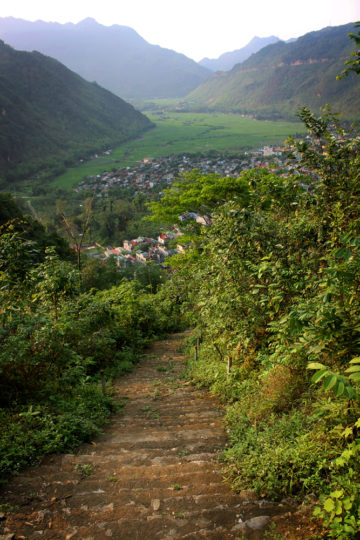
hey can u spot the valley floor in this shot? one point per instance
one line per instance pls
(153, 474)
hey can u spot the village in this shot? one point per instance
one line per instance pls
(154, 174)
(144, 250)
(157, 174)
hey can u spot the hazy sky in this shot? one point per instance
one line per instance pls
(196, 28)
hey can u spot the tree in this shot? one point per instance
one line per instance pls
(353, 62)
(195, 192)
(77, 233)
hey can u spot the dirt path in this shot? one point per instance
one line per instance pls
(152, 475)
(32, 210)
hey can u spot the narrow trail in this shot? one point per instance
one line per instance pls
(32, 210)
(153, 474)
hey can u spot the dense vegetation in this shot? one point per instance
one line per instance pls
(274, 284)
(57, 332)
(117, 57)
(50, 117)
(280, 78)
(112, 219)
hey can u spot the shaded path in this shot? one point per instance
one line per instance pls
(153, 474)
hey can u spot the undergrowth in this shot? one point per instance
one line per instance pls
(28, 433)
(278, 446)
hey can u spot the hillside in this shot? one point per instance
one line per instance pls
(280, 78)
(228, 60)
(50, 114)
(115, 57)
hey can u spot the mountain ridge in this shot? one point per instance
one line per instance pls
(50, 114)
(228, 60)
(282, 77)
(117, 57)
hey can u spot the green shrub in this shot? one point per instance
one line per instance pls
(27, 434)
(281, 455)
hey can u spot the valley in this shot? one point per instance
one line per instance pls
(174, 134)
(225, 144)
(197, 248)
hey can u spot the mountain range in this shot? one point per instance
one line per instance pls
(280, 78)
(50, 115)
(116, 57)
(228, 60)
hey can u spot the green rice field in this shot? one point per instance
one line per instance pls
(175, 133)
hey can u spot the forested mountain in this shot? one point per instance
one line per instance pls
(280, 78)
(228, 60)
(116, 57)
(50, 114)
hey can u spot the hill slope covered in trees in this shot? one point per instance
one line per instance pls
(116, 57)
(50, 114)
(282, 77)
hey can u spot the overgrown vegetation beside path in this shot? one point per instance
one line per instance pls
(56, 336)
(274, 284)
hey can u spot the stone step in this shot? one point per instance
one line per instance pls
(158, 434)
(174, 481)
(161, 492)
(144, 498)
(144, 413)
(137, 458)
(153, 478)
(168, 447)
(164, 401)
(154, 527)
(149, 471)
(154, 421)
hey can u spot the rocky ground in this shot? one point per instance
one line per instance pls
(153, 474)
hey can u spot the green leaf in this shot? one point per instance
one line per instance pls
(339, 389)
(316, 365)
(349, 392)
(329, 505)
(338, 508)
(352, 369)
(343, 253)
(336, 494)
(347, 503)
(319, 375)
(330, 381)
(347, 432)
(355, 376)
(355, 360)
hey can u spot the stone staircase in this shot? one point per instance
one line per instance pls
(153, 474)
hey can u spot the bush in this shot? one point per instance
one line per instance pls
(278, 456)
(28, 433)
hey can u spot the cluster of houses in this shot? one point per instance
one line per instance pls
(143, 249)
(157, 173)
(160, 172)
(140, 250)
